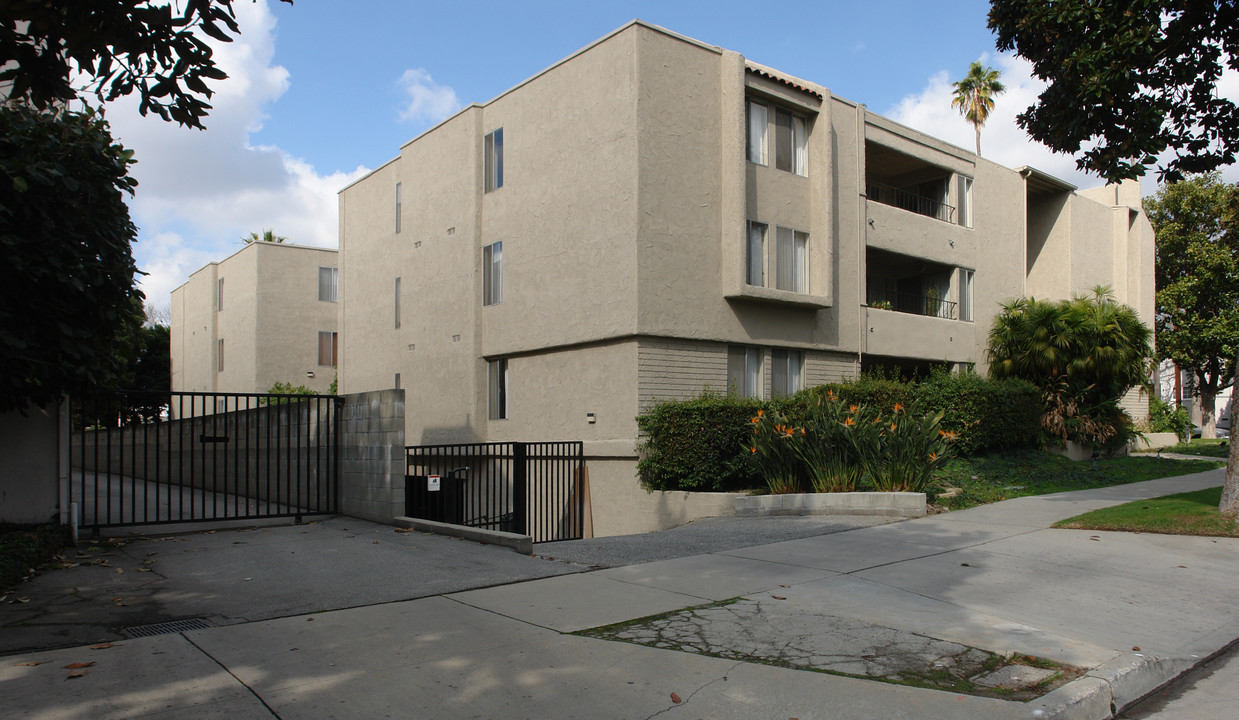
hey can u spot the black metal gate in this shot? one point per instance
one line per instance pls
(141, 458)
(534, 489)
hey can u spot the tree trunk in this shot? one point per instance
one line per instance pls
(1208, 411)
(978, 129)
(1230, 492)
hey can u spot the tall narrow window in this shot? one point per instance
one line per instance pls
(493, 160)
(784, 145)
(744, 370)
(786, 372)
(791, 260)
(755, 255)
(397, 207)
(965, 294)
(219, 355)
(965, 201)
(800, 140)
(492, 274)
(328, 347)
(497, 385)
(396, 302)
(328, 279)
(219, 294)
(758, 122)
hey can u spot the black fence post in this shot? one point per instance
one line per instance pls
(520, 488)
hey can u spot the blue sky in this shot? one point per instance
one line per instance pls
(322, 92)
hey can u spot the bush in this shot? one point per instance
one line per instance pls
(986, 414)
(701, 444)
(839, 446)
(695, 444)
(1167, 417)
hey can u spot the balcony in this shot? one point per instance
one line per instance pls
(910, 201)
(911, 303)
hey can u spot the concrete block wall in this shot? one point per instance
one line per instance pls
(372, 455)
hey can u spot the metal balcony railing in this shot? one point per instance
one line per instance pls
(912, 303)
(911, 202)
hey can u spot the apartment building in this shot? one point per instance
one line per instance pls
(265, 314)
(654, 216)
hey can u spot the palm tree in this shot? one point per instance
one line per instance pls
(267, 236)
(974, 96)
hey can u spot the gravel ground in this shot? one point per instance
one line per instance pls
(696, 538)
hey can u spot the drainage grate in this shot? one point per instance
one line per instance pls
(166, 628)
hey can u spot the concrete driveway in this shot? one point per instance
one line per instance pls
(1130, 611)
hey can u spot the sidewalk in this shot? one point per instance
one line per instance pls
(1133, 610)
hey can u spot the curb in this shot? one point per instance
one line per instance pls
(522, 544)
(1112, 687)
(886, 504)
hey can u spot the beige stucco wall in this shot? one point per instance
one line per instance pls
(270, 321)
(34, 461)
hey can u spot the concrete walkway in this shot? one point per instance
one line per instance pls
(1133, 611)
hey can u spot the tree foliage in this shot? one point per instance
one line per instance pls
(69, 294)
(974, 96)
(1197, 226)
(266, 236)
(156, 49)
(1097, 346)
(1128, 80)
(1084, 354)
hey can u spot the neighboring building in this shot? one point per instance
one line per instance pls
(266, 314)
(1176, 386)
(654, 216)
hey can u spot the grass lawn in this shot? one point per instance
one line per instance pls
(1002, 476)
(24, 548)
(1190, 513)
(1206, 448)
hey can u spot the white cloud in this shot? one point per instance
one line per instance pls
(1002, 140)
(427, 100)
(200, 190)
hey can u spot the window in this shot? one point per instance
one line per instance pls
(492, 166)
(397, 303)
(497, 384)
(965, 294)
(755, 262)
(219, 355)
(219, 295)
(397, 207)
(791, 260)
(328, 347)
(757, 124)
(328, 277)
(790, 138)
(786, 372)
(965, 201)
(744, 372)
(396, 381)
(492, 274)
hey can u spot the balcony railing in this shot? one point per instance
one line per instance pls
(912, 304)
(911, 202)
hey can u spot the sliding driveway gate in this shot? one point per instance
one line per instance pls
(534, 489)
(144, 458)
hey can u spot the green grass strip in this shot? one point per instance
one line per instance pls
(1189, 513)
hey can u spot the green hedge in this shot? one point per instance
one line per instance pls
(695, 444)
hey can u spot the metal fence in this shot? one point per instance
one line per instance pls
(534, 489)
(143, 458)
